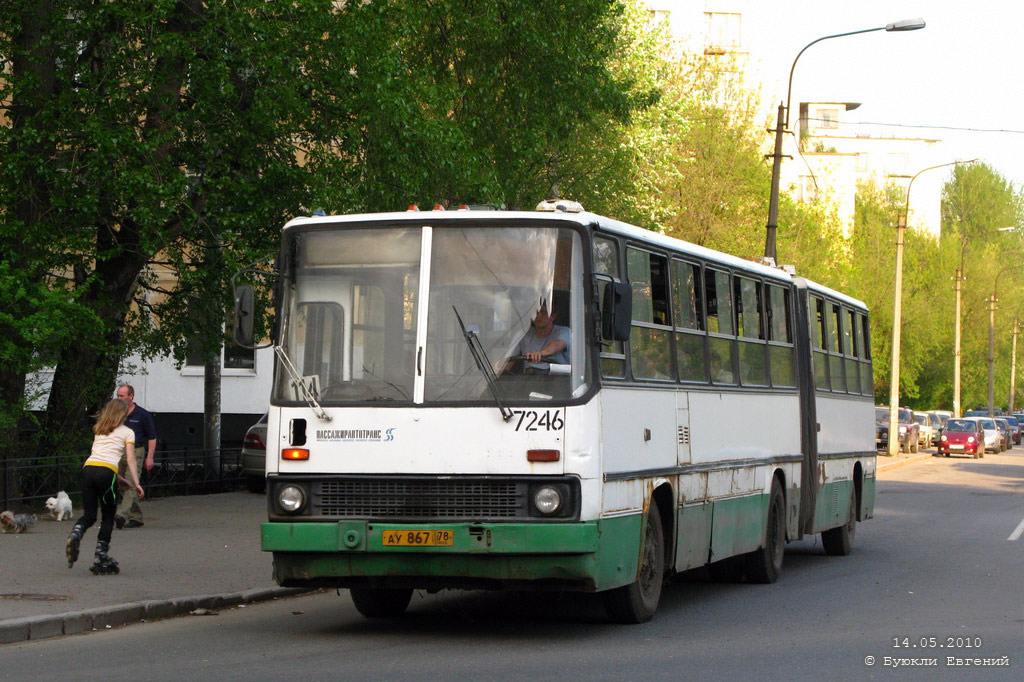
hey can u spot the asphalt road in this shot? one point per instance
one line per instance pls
(939, 560)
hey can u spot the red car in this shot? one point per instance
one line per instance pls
(962, 437)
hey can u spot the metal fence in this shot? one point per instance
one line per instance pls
(28, 482)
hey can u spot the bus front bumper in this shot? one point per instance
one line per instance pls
(582, 555)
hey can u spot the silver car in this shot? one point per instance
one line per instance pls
(254, 456)
(991, 431)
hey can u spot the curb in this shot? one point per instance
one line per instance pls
(74, 622)
(883, 466)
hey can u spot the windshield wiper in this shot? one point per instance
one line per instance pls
(301, 385)
(484, 363)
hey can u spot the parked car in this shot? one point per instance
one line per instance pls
(926, 431)
(938, 423)
(907, 424)
(881, 428)
(962, 436)
(1006, 441)
(1015, 427)
(909, 429)
(254, 456)
(991, 434)
(983, 412)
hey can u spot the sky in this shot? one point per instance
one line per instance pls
(962, 71)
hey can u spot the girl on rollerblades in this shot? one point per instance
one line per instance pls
(113, 440)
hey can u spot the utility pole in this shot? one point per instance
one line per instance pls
(1013, 366)
(991, 353)
(956, 342)
(894, 370)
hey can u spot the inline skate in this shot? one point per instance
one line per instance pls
(103, 563)
(74, 540)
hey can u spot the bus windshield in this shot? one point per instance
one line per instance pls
(355, 327)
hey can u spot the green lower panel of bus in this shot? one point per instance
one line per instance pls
(867, 500)
(719, 529)
(594, 555)
(834, 499)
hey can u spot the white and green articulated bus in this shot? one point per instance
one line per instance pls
(553, 400)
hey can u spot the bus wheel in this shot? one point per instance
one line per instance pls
(377, 602)
(764, 565)
(839, 541)
(637, 602)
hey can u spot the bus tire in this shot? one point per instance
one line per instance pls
(638, 601)
(763, 565)
(379, 602)
(839, 541)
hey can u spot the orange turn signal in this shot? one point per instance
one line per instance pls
(543, 455)
(295, 453)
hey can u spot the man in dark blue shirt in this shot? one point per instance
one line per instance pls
(129, 513)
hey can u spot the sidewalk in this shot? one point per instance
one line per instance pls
(201, 551)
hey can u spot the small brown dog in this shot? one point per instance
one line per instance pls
(16, 523)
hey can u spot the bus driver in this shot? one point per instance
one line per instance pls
(544, 342)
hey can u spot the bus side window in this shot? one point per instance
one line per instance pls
(836, 372)
(752, 349)
(606, 257)
(721, 323)
(606, 267)
(867, 381)
(818, 336)
(649, 339)
(850, 351)
(780, 340)
(691, 353)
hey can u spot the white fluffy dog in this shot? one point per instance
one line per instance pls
(59, 507)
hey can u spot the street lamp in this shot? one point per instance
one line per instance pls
(956, 335)
(897, 311)
(783, 123)
(992, 338)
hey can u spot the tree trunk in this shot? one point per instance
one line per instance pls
(86, 372)
(211, 418)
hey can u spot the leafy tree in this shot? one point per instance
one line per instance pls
(154, 146)
(977, 202)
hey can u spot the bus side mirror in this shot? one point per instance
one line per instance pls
(243, 315)
(616, 311)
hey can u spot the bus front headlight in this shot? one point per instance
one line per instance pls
(291, 498)
(547, 499)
